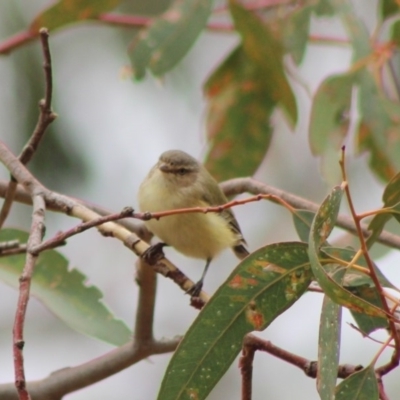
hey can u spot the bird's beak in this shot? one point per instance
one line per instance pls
(164, 167)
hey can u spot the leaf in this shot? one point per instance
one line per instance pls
(263, 49)
(395, 32)
(302, 220)
(390, 198)
(321, 228)
(378, 160)
(361, 285)
(239, 108)
(324, 8)
(166, 41)
(346, 255)
(382, 119)
(388, 8)
(69, 11)
(329, 122)
(64, 293)
(328, 348)
(362, 385)
(295, 32)
(261, 288)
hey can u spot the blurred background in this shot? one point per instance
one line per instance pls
(109, 132)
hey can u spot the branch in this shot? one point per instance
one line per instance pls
(237, 186)
(394, 362)
(76, 209)
(35, 238)
(46, 117)
(310, 368)
(67, 380)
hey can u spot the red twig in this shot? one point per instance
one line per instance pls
(17, 40)
(62, 236)
(394, 362)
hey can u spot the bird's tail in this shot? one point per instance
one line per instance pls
(240, 251)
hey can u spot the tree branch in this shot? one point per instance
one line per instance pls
(46, 117)
(237, 186)
(67, 380)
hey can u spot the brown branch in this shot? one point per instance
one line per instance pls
(231, 188)
(22, 196)
(147, 281)
(60, 238)
(242, 185)
(35, 238)
(310, 368)
(76, 209)
(381, 390)
(68, 380)
(394, 361)
(46, 117)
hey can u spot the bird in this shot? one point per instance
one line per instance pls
(179, 181)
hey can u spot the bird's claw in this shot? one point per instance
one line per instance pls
(154, 253)
(195, 290)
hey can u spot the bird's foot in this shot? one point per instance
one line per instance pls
(154, 253)
(195, 290)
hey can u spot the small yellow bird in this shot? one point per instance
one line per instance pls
(179, 181)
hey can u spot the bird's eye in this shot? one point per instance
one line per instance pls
(181, 171)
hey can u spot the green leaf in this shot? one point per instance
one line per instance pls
(378, 160)
(328, 348)
(302, 220)
(296, 29)
(390, 198)
(382, 119)
(368, 323)
(239, 108)
(388, 8)
(356, 29)
(395, 32)
(324, 9)
(346, 255)
(261, 288)
(166, 41)
(267, 53)
(64, 292)
(321, 228)
(362, 385)
(329, 122)
(361, 285)
(69, 11)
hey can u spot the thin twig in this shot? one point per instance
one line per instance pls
(60, 238)
(232, 187)
(242, 185)
(394, 362)
(22, 196)
(35, 238)
(46, 117)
